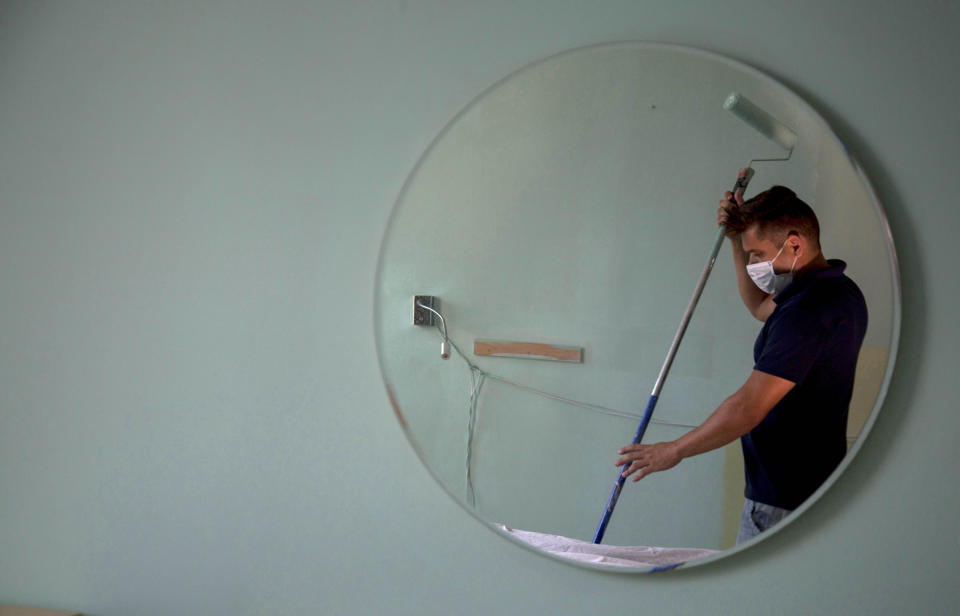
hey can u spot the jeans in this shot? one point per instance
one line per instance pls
(758, 517)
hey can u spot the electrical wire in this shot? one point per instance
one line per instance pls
(478, 378)
(571, 401)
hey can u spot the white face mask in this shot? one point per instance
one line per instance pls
(764, 277)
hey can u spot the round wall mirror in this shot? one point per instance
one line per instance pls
(554, 232)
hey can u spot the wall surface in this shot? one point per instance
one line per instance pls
(192, 419)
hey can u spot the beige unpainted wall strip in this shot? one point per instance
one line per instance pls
(527, 350)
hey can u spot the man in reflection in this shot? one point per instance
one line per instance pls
(791, 413)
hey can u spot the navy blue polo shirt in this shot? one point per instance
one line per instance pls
(812, 338)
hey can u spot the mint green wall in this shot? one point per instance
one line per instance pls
(191, 201)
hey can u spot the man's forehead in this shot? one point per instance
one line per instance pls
(750, 240)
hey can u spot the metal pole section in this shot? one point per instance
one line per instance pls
(701, 283)
(742, 182)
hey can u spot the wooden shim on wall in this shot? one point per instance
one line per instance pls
(527, 350)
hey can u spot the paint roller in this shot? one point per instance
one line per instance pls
(769, 127)
(763, 122)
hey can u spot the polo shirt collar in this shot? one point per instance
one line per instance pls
(834, 270)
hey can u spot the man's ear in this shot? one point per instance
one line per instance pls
(795, 245)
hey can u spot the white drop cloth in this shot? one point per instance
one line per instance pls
(621, 555)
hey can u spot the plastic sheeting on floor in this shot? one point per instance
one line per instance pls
(620, 555)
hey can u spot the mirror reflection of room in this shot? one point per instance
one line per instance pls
(558, 226)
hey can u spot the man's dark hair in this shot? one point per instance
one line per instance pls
(777, 213)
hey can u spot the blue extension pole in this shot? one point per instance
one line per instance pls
(618, 486)
(742, 180)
